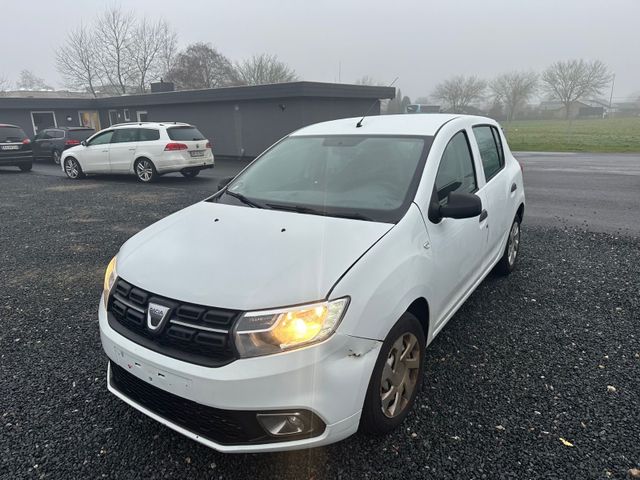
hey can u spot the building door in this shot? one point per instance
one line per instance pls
(113, 117)
(90, 119)
(42, 120)
(142, 116)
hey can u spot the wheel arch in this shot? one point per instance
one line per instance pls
(420, 309)
(520, 211)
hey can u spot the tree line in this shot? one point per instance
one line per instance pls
(120, 53)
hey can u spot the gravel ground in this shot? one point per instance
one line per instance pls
(551, 353)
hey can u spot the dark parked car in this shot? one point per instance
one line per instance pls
(15, 148)
(51, 142)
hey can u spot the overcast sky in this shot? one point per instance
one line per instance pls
(420, 41)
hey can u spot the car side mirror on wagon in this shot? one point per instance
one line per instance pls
(83, 143)
(459, 205)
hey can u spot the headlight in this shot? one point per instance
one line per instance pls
(273, 331)
(110, 276)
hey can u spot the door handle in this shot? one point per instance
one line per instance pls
(132, 149)
(483, 215)
(514, 187)
(105, 151)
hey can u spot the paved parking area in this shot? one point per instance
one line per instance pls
(550, 354)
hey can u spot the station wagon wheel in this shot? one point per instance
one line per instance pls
(507, 263)
(56, 157)
(72, 168)
(396, 377)
(145, 170)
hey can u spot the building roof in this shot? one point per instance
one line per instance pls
(225, 94)
(400, 124)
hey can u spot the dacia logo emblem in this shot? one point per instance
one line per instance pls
(156, 316)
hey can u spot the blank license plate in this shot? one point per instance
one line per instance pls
(14, 147)
(197, 153)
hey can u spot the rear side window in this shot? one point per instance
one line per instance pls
(11, 134)
(490, 148)
(56, 134)
(148, 134)
(456, 172)
(123, 135)
(80, 134)
(184, 133)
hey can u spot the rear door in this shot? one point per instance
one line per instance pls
(122, 151)
(194, 140)
(39, 143)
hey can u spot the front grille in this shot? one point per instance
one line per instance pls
(194, 333)
(225, 427)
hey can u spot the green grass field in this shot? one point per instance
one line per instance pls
(611, 135)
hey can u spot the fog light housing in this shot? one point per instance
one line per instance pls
(282, 424)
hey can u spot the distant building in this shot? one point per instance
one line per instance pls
(240, 121)
(577, 109)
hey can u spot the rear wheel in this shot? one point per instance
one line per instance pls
(26, 167)
(145, 170)
(55, 156)
(72, 168)
(190, 173)
(396, 377)
(507, 263)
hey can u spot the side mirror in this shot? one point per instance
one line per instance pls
(224, 182)
(459, 205)
(83, 143)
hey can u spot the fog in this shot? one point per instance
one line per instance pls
(421, 42)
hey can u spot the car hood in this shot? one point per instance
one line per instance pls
(244, 258)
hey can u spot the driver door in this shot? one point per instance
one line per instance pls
(94, 158)
(458, 245)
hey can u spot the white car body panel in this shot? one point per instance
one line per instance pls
(245, 261)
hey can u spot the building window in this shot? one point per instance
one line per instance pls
(127, 117)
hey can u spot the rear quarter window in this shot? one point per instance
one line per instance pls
(148, 134)
(184, 133)
(11, 134)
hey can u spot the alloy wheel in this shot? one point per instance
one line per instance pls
(514, 243)
(56, 157)
(71, 168)
(144, 170)
(400, 375)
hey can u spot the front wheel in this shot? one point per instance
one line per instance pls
(507, 263)
(72, 168)
(56, 157)
(26, 167)
(396, 377)
(146, 170)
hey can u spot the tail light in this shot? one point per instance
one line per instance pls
(208, 145)
(71, 143)
(26, 141)
(172, 147)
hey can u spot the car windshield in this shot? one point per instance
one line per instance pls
(11, 134)
(356, 176)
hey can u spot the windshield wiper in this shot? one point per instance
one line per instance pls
(314, 211)
(245, 200)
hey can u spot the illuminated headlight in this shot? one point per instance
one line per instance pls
(273, 331)
(110, 276)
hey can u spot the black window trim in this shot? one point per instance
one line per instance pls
(499, 149)
(473, 163)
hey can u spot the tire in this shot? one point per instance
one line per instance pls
(145, 170)
(190, 173)
(26, 167)
(383, 410)
(55, 156)
(507, 263)
(72, 168)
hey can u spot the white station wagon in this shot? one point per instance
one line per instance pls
(293, 307)
(146, 149)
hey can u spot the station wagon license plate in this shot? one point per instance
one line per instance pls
(197, 153)
(10, 147)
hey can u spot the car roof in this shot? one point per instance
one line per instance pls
(68, 128)
(9, 125)
(413, 124)
(150, 124)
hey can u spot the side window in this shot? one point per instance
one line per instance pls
(490, 147)
(102, 138)
(57, 134)
(123, 135)
(149, 134)
(43, 135)
(456, 172)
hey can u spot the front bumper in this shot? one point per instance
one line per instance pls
(329, 379)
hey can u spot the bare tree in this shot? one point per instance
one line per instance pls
(4, 83)
(76, 60)
(202, 66)
(168, 49)
(398, 104)
(513, 89)
(29, 81)
(115, 30)
(572, 80)
(146, 48)
(460, 92)
(365, 80)
(264, 68)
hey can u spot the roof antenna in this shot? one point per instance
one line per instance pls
(359, 124)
